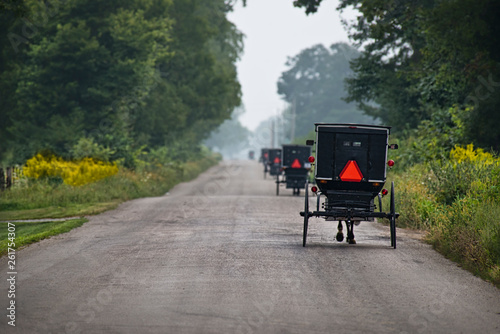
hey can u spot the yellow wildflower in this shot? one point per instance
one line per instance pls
(74, 173)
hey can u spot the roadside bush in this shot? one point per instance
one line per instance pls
(468, 172)
(469, 233)
(414, 200)
(457, 201)
(73, 173)
(44, 197)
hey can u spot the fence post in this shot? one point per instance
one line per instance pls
(9, 178)
(2, 179)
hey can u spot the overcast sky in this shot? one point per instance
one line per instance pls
(275, 30)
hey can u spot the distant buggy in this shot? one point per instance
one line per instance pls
(350, 172)
(295, 166)
(264, 158)
(274, 161)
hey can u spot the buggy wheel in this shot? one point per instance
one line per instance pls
(380, 203)
(277, 185)
(393, 218)
(306, 215)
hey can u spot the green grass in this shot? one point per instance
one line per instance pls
(49, 199)
(36, 199)
(464, 228)
(27, 233)
(72, 210)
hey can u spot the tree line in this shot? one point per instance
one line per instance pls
(113, 77)
(427, 63)
(314, 87)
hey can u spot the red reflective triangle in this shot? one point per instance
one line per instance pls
(351, 172)
(296, 164)
(277, 160)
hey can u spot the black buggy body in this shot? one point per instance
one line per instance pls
(264, 158)
(264, 155)
(295, 166)
(274, 161)
(350, 172)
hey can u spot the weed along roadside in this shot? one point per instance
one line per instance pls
(47, 200)
(456, 201)
(30, 232)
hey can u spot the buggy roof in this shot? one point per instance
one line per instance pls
(353, 126)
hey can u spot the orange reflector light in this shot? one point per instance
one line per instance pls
(351, 172)
(314, 189)
(311, 159)
(323, 181)
(296, 164)
(390, 163)
(384, 192)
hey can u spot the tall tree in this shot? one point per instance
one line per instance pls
(424, 56)
(122, 74)
(231, 138)
(201, 88)
(76, 73)
(314, 86)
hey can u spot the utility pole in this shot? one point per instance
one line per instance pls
(294, 110)
(272, 133)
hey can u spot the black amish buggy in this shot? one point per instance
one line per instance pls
(274, 162)
(350, 172)
(251, 155)
(263, 155)
(264, 158)
(295, 166)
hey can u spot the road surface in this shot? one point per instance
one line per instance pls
(223, 254)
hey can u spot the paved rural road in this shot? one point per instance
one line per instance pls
(223, 254)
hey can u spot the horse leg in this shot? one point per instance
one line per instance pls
(340, 234)
(350, 232)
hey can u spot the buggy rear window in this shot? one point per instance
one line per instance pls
(353, 144)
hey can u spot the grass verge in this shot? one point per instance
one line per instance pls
(49, 198)
(465, 229)
(30, 232)
(36, 199)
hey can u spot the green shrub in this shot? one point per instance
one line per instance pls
(62, 200)
(457, 201)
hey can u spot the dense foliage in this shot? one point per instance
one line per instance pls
(50, 197)
(120, 75)
(455, 198)
(422, 57)
(313, 85)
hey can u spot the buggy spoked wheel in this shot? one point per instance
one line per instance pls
(277, 185)
(380, 203)
(306, 214)
(393, 218)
